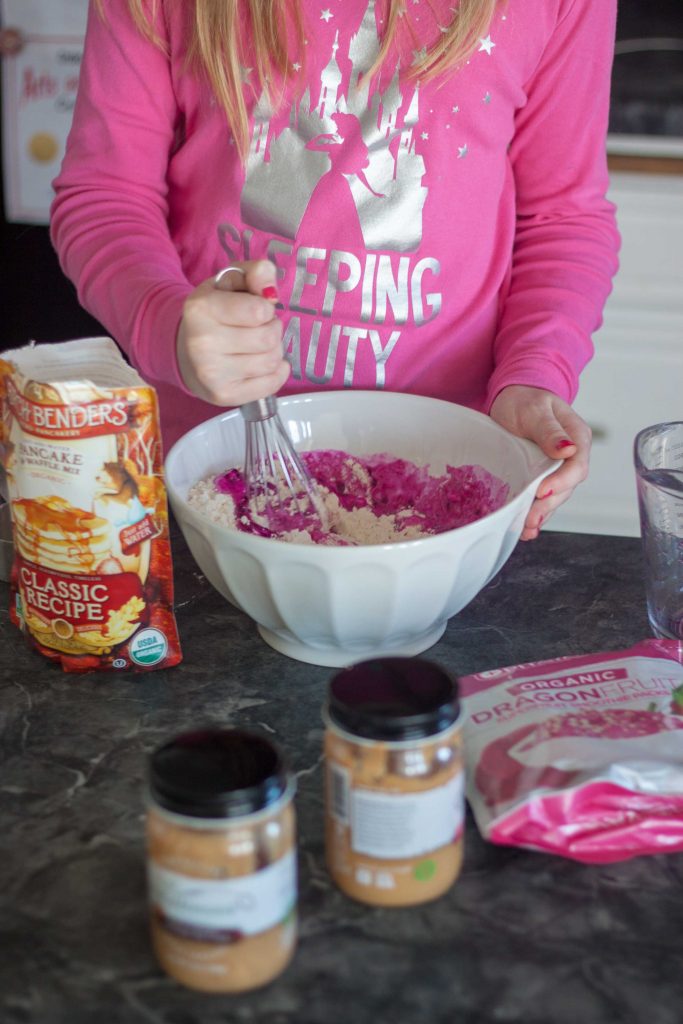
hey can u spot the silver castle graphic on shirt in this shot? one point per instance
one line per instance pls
(384, 175)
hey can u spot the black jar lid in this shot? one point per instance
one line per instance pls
(217, 773)
(393, 699)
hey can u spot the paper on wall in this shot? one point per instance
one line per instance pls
(39, 86)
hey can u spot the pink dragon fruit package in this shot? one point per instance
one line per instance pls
(580, 756)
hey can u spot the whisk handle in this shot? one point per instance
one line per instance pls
(261, 409)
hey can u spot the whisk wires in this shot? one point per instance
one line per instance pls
(279, 487)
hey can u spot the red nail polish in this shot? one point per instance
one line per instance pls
(546, 495)
(270, 292)
(564, 443)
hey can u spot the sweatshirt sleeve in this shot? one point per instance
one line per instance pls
(566, 241)
(109, 217)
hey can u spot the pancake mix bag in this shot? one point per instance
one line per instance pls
(581, 756)
(92, 579)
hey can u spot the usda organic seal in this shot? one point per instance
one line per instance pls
(148, 647)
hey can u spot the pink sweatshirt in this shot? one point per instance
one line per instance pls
(446, 240)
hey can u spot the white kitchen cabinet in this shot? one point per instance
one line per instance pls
(636, 376)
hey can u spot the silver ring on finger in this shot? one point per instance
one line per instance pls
(226, 270)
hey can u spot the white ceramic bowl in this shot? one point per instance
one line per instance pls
(338, 605)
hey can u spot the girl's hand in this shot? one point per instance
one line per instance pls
(229, 342)
(558, 431)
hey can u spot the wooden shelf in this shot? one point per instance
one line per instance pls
(645, 164)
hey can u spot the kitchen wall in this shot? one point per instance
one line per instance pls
(37, 302)
(647, 80)
(41, 38)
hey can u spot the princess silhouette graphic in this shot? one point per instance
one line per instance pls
(332, 196)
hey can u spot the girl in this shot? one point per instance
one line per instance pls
(414, 191)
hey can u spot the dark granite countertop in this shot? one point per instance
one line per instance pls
(521, 937)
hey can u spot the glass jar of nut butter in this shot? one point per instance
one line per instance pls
(394, 785)
(221, 859)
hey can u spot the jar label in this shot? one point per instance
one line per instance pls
(226, 909)
(400, 825)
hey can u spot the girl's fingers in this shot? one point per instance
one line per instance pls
(234, 392)
(231, 308)
(553, 491)
(254, 276)
(239, 295)
(229, 343)
(222, 363)
(569, 475)
(561, 434)
(225, 341)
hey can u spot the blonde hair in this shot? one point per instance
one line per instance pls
(222, 46)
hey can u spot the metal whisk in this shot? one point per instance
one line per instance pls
(279, 487)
